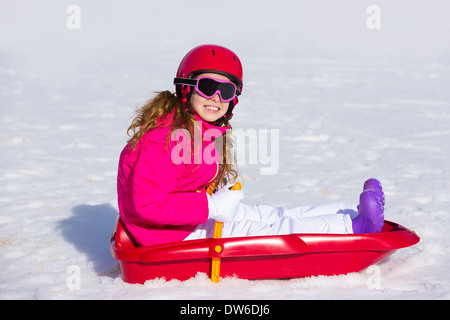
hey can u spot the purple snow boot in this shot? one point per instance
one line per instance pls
(370, 217)
(375, 186)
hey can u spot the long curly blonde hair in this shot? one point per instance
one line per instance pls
(166, 103)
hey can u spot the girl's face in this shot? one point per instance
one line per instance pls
(209, 109)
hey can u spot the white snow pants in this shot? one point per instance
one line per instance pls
(264, 220)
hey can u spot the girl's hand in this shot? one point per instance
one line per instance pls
(223, 205)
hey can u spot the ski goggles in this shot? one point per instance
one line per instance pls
(209, 87)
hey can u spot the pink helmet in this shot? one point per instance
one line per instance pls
(210, 58)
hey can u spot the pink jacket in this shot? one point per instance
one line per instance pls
(161, 198)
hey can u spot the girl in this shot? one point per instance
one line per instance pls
(180, 145)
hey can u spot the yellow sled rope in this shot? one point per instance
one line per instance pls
(215, 264)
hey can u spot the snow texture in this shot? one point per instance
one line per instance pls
(349, 103)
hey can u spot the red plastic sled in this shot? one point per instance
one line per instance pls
(262, 257)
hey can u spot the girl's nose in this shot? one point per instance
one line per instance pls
(216, 97)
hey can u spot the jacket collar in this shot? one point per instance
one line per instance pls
(207, 125)
(199, 122)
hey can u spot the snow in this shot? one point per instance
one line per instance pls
(349, 103)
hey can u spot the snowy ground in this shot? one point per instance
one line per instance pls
(349, 103)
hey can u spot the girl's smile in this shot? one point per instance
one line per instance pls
(212, 108)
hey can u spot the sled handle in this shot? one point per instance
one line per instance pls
(215, 263)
